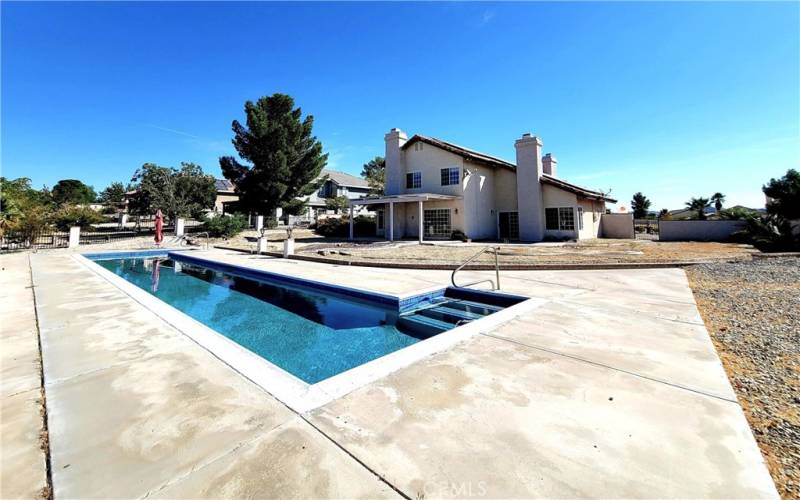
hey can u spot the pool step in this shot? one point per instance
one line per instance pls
(422, 327)
(450, 314)
(469, 306)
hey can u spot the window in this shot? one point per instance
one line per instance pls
(559, 219)
(436, 223)
(551, 219)
(566, 219)
(449, 176)
(380, 219)
(413, 180)
(580, 217)
(326, 190)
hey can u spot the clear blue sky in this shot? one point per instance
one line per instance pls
(674, 99)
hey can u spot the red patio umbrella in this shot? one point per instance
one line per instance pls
(159, 228)
(156, 275)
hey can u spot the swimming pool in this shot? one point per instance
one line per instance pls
(313, 331)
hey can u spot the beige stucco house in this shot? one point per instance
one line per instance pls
(434, 188)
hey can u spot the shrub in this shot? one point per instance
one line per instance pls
(333, 227)
(71, 216)
(225, 226)
(458, 235)
(771, 233)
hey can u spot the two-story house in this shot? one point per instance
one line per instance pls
(337, 184)
(434, 188)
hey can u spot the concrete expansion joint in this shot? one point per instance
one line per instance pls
(613, 368)
(204, 464)
(45, 432)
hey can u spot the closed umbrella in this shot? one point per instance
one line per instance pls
(159, 228)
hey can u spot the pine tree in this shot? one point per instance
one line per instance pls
(284, 159)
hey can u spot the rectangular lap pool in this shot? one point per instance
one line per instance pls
(311, 330)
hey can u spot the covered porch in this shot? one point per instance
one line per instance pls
(410, 202)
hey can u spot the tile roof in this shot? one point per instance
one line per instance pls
(344, 179)
(466, 153)
(223, 185)
(572, 188)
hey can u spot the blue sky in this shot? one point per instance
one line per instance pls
(672, 99)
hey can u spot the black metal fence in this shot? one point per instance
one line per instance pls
(645, 229)
(11, 241)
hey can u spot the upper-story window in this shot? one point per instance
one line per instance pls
(449, 176)
(413, 180)
(327, 190)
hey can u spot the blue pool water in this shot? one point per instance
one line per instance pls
(310, 334)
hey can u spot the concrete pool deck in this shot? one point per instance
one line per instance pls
(610, 389)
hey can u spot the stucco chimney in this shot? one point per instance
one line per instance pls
(395, 171)
(529, 190)
(549, 164)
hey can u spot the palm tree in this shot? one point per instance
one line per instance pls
(718, 199)
(699, 204)
(640, 205)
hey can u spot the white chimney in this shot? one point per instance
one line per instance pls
(529, 190)
(549, 164)
(395, 171)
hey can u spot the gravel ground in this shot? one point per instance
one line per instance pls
(752, 310)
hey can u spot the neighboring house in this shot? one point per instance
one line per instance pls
(688, 213)
(337, 184)
(226, 193)
(434, 188)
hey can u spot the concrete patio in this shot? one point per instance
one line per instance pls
(611, 389)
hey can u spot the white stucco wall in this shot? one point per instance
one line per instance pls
(480, 218)
(505, 190)
(592, 212)
(552, 197)
(429, 161)
(698, 230)
(618, 226)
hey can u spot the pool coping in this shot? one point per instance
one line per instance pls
(295, 393)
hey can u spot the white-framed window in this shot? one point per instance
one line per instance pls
(580, 217)
(413, 180)
(436, 222)
(559, 219)
(449, 176)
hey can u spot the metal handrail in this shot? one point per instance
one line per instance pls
(496, 270)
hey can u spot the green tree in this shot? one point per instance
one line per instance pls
(784, 195)
(73, 192)
(640, 205)
(718, 199)
(663, 213)
(19, 203)
(283, 158)
(374, 171)
(114, 193)
(338, 204)
(176, 192)
(700, 205)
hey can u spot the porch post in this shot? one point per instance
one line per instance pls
(351, 221)
(391, 221)
(421, 226)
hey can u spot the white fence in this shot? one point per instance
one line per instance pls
(698, 230)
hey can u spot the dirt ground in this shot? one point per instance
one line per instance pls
(584, 252)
